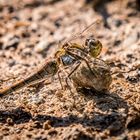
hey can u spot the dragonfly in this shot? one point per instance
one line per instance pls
(69, 54)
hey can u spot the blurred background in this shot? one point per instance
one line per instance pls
(30, 32)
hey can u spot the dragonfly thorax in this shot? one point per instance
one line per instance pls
(67, 60)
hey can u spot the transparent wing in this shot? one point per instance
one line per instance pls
(85, 33)
(80, 37)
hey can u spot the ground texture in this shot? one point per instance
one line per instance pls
(29, 33)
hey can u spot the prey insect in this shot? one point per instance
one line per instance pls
(69, 54)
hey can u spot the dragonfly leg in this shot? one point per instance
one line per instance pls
(66, 81)
(93, 71)
(68, 86)
(68, 77)
(76, 67)
(59, 77)
(102, 60)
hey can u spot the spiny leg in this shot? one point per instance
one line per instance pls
(84, 52)
(93, 71)
(68, 77)
(69, 51)
(59, 78)
(102, 60)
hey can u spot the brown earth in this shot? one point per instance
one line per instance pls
(29, 33)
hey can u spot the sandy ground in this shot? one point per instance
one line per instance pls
(29, 34)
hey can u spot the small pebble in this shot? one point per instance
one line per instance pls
(132, 79)
(47, 125)
(131, 39)
(118, 23)
(11, 62)
(10, 121)
(13, 42)
(41, 46)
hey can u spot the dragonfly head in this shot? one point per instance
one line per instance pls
(94, 46)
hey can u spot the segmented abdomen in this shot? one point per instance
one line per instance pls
(48, 69)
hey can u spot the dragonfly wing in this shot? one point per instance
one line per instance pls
(85, 33)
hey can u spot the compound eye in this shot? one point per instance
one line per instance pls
(95, 48)
(92, 43)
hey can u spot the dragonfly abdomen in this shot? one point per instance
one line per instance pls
(18, 85)
(48, 69)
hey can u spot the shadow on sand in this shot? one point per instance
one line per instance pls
(111, 102)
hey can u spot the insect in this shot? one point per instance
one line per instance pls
(70, 54)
